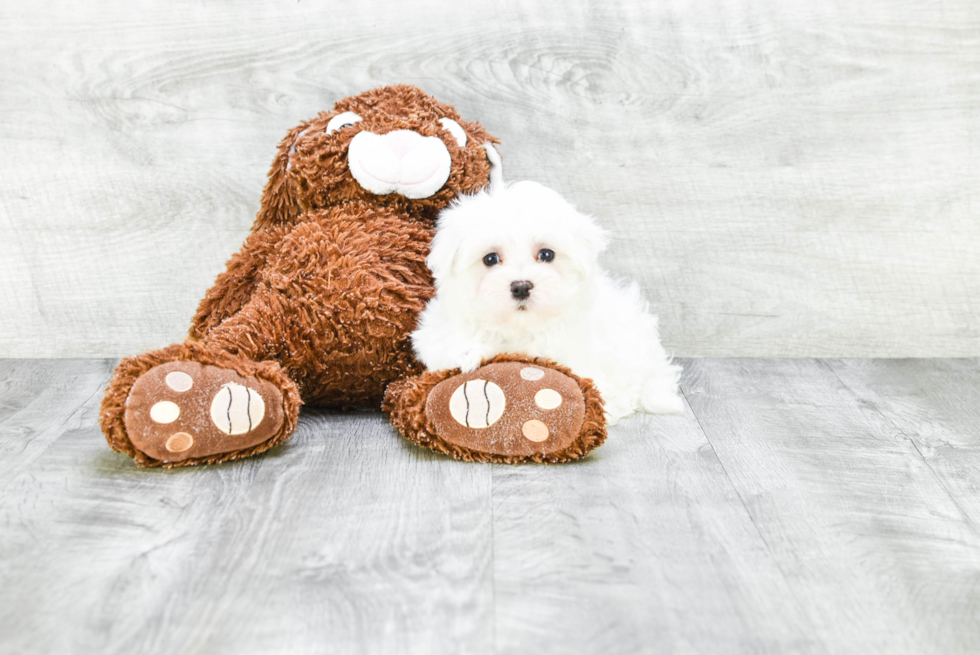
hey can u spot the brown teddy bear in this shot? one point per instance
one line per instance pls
(317, 307)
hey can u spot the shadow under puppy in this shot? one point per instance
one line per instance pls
(516, 271)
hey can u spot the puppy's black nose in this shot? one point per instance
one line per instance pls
(521, 289)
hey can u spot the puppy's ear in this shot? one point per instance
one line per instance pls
(445, 246)
(597, 238)
(587, 241)
(588, 231)
(279, 204)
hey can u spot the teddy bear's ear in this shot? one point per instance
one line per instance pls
(279, 205)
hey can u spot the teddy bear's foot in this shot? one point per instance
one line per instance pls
(185, 405)
(512, 409)
(186, 410)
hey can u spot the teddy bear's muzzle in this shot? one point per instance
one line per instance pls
(402, 161)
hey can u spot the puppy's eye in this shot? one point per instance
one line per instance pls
(545, 255)
(492, 259)
(341, 121)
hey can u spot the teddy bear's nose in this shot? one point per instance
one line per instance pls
(401, 161)
(402, 142)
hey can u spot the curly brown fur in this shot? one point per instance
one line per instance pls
(234, 287)
(405, 402)
(330, 283)
(310, 169)
(335, 303)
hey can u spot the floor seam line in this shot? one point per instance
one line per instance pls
(966, 517)
(748, 512)
(493, 564)
(44, 449)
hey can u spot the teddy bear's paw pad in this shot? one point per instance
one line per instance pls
(183, 410)
(508, 408)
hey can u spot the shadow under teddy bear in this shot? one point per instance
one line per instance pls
(318, 305)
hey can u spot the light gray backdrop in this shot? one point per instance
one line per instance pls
(791, 178)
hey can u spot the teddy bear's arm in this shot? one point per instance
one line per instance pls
(233, 288)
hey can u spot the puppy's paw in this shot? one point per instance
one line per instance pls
(663, 402)
(616, 411)
(470, 361)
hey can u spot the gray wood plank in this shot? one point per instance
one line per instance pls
(344, 540)
(40, 400)
(644, 547)
(799, 506)
(936, 405)
(877, 552)
(784, 178)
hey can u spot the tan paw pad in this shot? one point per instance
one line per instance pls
(237, 409)
(477, 404)
(536, 431)
(179, 381)
(165, 412)
(547, 399)
(179, 442)
(532, 373)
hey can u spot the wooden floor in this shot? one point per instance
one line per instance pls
(812, 506)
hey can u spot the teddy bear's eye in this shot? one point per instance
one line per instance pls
(455, 129)
(339, 121)
(546, 255)
(492, 259)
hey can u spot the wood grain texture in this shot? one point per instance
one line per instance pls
(879, 552)
(343, 540)
(40, 402)
(936, 405)
(784, 178)
(645, 547)
(798, 506)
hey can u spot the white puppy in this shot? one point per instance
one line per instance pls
(516, 271)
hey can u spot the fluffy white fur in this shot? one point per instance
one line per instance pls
(576, 314)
